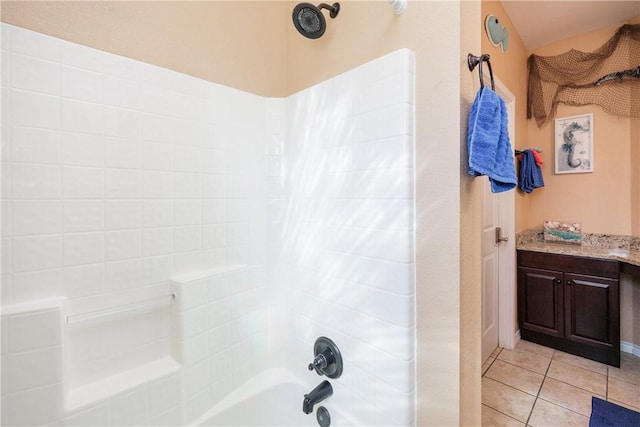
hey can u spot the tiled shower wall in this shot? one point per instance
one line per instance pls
(344, 233)
(122, 172)
(219, 331)
(118, 175)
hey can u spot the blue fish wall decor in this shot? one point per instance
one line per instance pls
(497, 33)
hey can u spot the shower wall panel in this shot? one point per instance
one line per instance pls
(116, 176)
(219, 331)
(345, 236)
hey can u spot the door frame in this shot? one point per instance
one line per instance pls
(508, 334)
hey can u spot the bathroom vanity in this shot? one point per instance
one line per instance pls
(570, 303)
(569, 298)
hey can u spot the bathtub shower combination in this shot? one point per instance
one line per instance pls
(177, 252)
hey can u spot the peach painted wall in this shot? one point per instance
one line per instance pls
(239, 44)
(630, 286)
(605, 201)
(635, 175)
(511, 68)
(635, 170)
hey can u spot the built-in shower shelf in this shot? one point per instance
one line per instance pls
(91, 393)
(138, 307)
(35, 306)
(202, 274)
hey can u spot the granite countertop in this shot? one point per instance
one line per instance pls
(620, 248)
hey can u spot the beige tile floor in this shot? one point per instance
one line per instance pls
(537, 386)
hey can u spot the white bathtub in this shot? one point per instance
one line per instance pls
(272, 398)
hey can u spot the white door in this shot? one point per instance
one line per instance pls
(498, 259)
(490, 271)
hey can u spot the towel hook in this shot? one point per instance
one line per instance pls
(473, 61)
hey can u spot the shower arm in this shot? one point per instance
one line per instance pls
(333, 9)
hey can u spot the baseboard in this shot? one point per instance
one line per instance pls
(625, 347)
(629, 347)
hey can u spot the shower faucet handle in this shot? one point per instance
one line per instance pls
(321, 361)
(313, 366)
(327, 358)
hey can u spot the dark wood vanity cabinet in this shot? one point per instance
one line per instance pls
(570, 303)
(540, 301)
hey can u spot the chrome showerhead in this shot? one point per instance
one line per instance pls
(309, 21)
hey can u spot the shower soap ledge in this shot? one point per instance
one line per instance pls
(201, 274)
(144, 374)
(34, 306)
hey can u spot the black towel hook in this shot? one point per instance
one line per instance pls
(473, 61)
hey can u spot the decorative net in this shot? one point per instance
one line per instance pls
(570, 78)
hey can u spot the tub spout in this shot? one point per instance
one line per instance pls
(317, 395)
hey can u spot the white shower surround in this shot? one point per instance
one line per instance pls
(118, 175)
(345, 241)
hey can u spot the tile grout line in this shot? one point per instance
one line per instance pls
(572, 385)
(563, 407)
(517, 389)
(526, 423)
(531, 412)
(519, 366)
(540, 389)
(494, 361)
(545, 376)
(581, 367)
(624, 381)
(568, 362)
(575, 386)
(489, 367)
(500, 412)
(606, 387)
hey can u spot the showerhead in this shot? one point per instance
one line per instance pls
(309, 21)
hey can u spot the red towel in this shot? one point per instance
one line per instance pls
(538, 157)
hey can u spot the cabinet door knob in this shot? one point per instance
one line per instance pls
(558, 281)
(569, 282)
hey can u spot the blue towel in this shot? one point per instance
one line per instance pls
(530, 173)
(490, 151)
(607, 414)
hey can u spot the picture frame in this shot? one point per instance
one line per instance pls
(574, 144)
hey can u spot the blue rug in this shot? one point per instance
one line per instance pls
(607, 414)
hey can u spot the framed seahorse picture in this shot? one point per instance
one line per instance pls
(574, 144)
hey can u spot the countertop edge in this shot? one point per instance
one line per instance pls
(633, 257)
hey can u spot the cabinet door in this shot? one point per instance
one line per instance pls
(540, 301)
(592, 310)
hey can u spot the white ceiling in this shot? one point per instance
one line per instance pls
(542, 22)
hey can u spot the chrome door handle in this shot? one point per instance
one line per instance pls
(499, 237)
